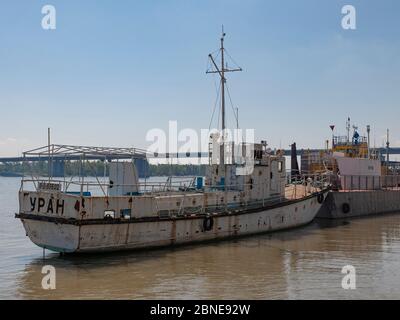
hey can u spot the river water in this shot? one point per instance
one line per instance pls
(305, 263)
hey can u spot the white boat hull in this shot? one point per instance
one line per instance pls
(97, 236)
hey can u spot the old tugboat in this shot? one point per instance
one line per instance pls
(118, 212)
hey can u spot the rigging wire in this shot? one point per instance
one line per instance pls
(219, 115)
(226, 51)
(230, 100)
(209, 65)
(215, 106)
(215, 84)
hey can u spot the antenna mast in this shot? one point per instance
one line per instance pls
(369, 141)
(49, 164)
(348, 130)
(387, 147)
(221, 71)
(223, 80)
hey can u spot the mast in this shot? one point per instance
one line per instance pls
(369, 141)
(237, 118)
(387, 147)
(223, 81)
(348, 130)
(221, 71)
(48, 159)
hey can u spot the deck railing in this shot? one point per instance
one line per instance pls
(181, 189)
(103, 188)
(171, 184)
(365, 183)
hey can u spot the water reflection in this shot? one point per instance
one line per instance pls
(303, 263)
(297, 264)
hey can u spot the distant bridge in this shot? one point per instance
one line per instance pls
(392, 151)
(58, 154)
(141, 158)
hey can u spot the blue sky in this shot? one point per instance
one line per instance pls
(112, 70)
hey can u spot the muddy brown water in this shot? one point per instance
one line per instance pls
(304, 263)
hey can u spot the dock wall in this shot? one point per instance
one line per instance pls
(359, 203)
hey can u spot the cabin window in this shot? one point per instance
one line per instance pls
(125, 213)
(163, 214)
(109, 214)
(280, 166)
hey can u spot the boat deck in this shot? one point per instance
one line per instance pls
(295, 192)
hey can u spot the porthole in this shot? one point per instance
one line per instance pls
(109, 214)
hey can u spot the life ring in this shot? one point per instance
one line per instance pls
(208, 223)
(345, 208)
(320, 198)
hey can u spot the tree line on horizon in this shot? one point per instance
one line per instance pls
(97, 168)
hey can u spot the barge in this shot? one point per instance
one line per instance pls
(363, 181)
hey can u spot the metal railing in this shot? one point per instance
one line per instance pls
(180, 189)
(171, 184)
(365, 183)
(103, 188)
(305, 184)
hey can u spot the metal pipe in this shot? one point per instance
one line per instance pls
(48, 160)
(387, 147)
(369, 142)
